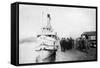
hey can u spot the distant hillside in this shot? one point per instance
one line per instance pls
(28, 40)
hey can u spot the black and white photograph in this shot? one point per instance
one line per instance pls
(51, 34)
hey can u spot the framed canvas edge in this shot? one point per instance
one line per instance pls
(15, 34)
(15, 60)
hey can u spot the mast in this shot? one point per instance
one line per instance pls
(49, 27)
(48, 21)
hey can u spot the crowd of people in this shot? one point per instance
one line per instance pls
(81, 43)
(66, 44)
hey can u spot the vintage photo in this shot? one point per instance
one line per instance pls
(56, 34)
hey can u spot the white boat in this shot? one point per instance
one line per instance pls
(48, 46)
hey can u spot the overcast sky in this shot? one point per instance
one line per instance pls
(66, 21)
